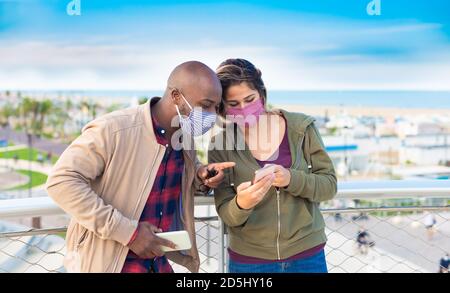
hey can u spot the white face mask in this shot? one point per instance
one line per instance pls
(198, 122)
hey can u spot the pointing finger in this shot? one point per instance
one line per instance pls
(224, 165)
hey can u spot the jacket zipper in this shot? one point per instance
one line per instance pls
(279, 215)
(146, 180)
(140, 197)
(279, 224)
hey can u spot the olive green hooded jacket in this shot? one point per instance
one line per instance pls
(288, 220)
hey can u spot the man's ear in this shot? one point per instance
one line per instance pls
(176, 96)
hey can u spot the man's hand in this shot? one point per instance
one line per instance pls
(185, 260)
(192, 264)
(147, 244)
(212, 174)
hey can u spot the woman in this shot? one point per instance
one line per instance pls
(274, 224)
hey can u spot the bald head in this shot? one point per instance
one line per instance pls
(194, 74)
(197, 83)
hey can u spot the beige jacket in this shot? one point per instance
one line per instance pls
(103, 180)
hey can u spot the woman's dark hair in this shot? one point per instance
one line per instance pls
(236, 71)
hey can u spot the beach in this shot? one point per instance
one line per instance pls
(357, 111)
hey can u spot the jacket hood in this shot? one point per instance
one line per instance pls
(297, 122)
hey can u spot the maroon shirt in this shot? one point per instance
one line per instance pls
(284, 159)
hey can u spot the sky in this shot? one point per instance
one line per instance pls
(298, 45)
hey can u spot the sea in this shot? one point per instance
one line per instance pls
(394, 99)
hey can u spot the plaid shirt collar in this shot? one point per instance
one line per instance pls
(157, 128)
(159, 133)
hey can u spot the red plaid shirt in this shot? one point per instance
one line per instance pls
(161, 205)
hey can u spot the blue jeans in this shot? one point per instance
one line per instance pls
(313, 264)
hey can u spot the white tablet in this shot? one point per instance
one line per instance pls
(180, 238)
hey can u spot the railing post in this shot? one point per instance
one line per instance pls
(222, 246)
(208, 237)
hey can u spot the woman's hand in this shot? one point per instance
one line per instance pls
(282, 176)
(249, 195)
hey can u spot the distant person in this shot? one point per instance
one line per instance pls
(122, 180)
(430, 223)
(40, 158)
(444, 264)
(360, 216)
(337, 204)
(15, 158)
(364, 241)
(48, 157)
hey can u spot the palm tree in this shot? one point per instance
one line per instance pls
(93, 106)
(44, 109)
(68, 105)
(142, 100)
(33, 114)
(84, 108)
(27, 112)
(6, 112)
(58, 119)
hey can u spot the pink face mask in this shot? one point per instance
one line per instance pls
(247, 115)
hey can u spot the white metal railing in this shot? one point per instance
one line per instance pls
(390, 189)
(377, 189)
(414, 252)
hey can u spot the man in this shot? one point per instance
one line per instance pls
(123, 181)
(444, 264)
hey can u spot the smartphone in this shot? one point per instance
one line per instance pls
(266, 170)
(180, 238)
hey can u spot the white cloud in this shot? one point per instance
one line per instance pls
(50, 66)
(317, 56)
